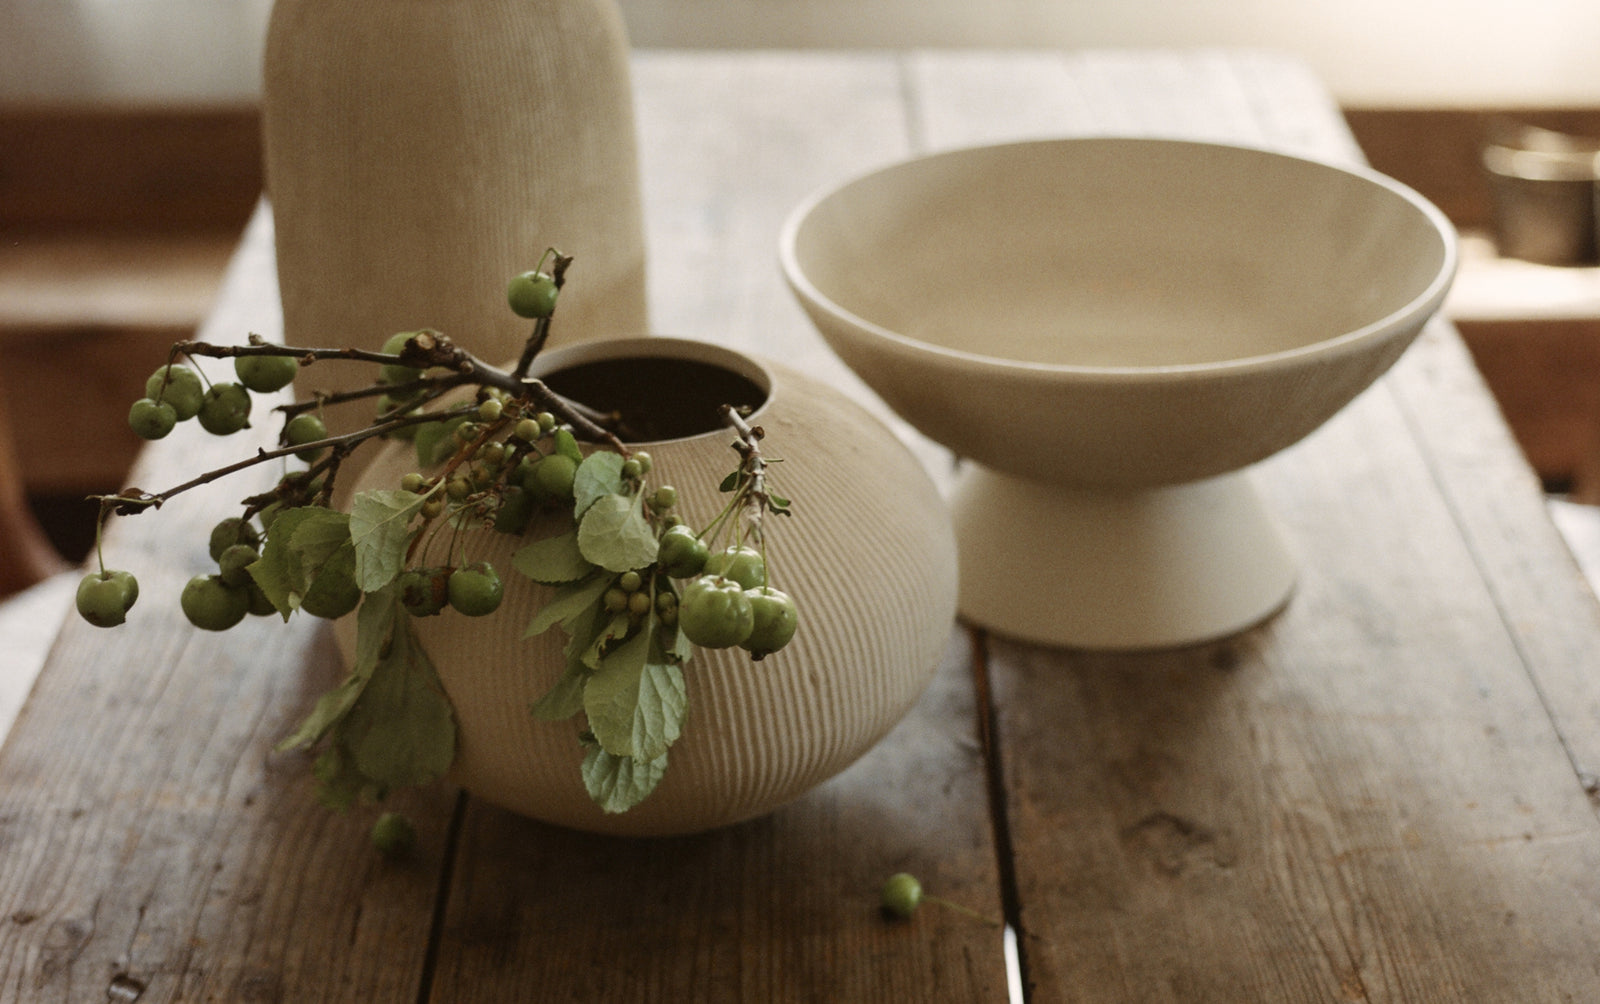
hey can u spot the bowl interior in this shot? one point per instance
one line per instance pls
(1120, 253)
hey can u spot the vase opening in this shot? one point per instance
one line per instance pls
(658, 397)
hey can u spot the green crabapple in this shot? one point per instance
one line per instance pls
(741, 563)
(715, 612)
(105, 597)
(532, 294)
(682, 553)
(475, 590)
(265, 374)
(150, 419)
(211, 605)
(901, 895)
(305, 428)
(179, 386)
(230, 531)
(775, 620)
(225, 409)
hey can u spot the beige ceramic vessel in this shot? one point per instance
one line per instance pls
(869, 557)
(1111, 330)
(419, 153)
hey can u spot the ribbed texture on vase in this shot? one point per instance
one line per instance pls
(419, 153)
(870, 559)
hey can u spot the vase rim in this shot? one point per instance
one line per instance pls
(663, 347)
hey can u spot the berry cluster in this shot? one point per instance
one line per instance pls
(218, 601)
(636, 588)
(729, 602)
(176, 393)
(505, 461)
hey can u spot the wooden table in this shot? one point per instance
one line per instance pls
(1386, 793)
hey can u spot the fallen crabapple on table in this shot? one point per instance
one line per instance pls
(498, 451)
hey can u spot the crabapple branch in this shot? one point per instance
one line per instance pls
(753, 464)
(126, 503)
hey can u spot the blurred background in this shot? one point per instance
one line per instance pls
(1449, 53)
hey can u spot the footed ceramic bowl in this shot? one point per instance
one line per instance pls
(1110, 331)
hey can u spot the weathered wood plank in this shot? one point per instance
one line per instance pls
(152, 842)
(1493, 495)
(1363, 799)
(1366, 798)
(783, 908)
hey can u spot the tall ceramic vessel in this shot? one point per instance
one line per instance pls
(869, 556)
(421, 152)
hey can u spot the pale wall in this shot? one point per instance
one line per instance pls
(1370, 52)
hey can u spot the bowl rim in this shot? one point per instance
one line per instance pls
(1408, 316)
(751, 367)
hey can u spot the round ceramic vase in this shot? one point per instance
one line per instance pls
(869, 556)
(419, 153)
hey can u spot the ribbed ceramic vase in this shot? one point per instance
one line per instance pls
(869, 556)
(419, 153)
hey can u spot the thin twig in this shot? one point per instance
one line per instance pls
(213, 351)
(583, 419)
(753, 464)
(127, 504)
(532, 347)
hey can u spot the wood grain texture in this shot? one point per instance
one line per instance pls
(783, 908)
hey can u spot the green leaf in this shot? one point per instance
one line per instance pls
(272, 575)
(682, 648)
(330, 708)
(553, 561)
(437, 440)
(582, 628)
(564, 698)
(617, 784)
(614, 628)
(374, 623)
(569, 602)
(599, 475)
(389, 723)
(567, 445)
(732, 481)
(402, 729)
(615, 535)
(635, 703)
(380, 527)
(339, 784)
(318, 537)
(300, 541)
(277, 571)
